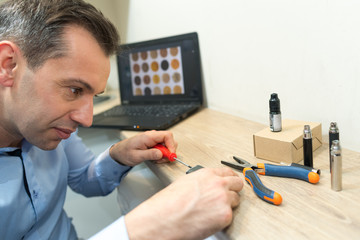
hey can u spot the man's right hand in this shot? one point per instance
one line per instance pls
(193, 207)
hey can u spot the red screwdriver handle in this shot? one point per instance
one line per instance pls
(166, 153)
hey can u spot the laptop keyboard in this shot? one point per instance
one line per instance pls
(164, 110)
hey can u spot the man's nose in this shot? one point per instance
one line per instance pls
(83, 115)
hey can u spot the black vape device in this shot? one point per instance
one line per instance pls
(307, 147)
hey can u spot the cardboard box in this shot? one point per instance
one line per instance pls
(285, 146)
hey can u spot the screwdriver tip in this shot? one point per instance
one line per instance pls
(182, 162)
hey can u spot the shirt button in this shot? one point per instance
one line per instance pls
(35, 194)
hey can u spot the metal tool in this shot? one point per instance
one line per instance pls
(173, 157)
(169, 155)
(293, 171)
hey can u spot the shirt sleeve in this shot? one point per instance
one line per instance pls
(116, 230)
(91, 175)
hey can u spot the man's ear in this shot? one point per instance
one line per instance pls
(8, 62)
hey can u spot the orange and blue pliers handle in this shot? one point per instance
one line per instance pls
(261, 191)
(294, 171)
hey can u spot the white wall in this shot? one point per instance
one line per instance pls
(307, 51)
(118, 15)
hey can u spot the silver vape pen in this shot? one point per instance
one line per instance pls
(336, 163)
(333, 135)
(275, 113)
(307, 147)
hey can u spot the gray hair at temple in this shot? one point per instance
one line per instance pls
(37, 27)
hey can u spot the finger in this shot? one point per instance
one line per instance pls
(234, 183)
(224, 171)
(171, 144)
(234, 199)
(148, 154)
(166, 137)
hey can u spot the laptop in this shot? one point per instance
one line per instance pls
(160, 84)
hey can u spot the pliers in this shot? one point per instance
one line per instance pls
(293, 171)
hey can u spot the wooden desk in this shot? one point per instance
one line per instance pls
(307, 212)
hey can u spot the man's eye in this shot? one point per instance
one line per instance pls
(76, 91)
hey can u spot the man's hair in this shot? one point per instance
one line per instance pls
(37, 27)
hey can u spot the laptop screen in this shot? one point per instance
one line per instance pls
(161, 70)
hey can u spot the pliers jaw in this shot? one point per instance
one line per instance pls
(242, 164)
(245, 164)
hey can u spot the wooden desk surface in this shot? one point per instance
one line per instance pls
(307, 212)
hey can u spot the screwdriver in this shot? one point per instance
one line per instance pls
(169, 155)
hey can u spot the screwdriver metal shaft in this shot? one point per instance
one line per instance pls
(182, 162)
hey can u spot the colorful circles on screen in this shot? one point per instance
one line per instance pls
(135, 56)
(145, 67)
(138, 92)
(143, 55)
(147, 91)
(157, 91)
(156, 79)
(153, 54)
(164, 65)
(176, 77)
(137, 80)
(136, 68)
(147, 79)
(177, 90)
(154, 66)
(174, 51)
(175, 64)
(157, 72)
(163, 52)
(167, 90)
(166, 77)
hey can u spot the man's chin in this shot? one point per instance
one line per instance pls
(47, 146)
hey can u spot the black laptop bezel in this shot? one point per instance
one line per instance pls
(190, 51)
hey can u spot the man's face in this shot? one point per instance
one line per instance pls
(48, 104)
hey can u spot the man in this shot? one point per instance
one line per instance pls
(54, 58)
